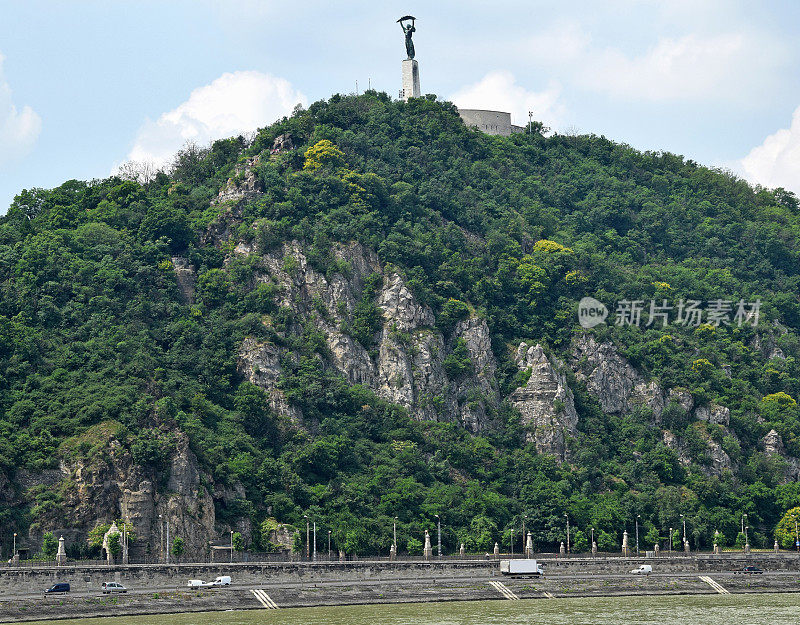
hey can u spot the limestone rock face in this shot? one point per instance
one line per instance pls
(718, 415)
(259, 363)
(549, 422)
(186, 277)
(718, 460)
(612, 380)
(404, 363)
(244, 184)
(111, 486)
(772, 445)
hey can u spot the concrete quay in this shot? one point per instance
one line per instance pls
(158, 589)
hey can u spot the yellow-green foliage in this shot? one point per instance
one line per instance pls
(550, 247)
(323, 154)
(785, 531)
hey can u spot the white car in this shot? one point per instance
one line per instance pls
(109, 587)
(644, 569)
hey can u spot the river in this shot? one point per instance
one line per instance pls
(755, 609)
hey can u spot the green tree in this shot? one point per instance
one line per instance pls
(178, 548)
(786, 530)
(237, 541)
(49, 545)
(115, 544)
(607, 542)
(580, 544)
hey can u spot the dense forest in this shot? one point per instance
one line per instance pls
(97, 339)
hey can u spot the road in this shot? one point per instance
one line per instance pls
(80, 589)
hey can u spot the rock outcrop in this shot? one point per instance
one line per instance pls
(111, 486)
(611, 379)
(186, 276)
(404, 363)
(545, 402)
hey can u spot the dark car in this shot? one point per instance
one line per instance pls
(750, 570)
(59, 588)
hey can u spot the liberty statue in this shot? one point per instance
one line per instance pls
(408, 31)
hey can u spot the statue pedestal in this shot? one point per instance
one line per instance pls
(410, 80)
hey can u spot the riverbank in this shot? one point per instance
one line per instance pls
(381, 583)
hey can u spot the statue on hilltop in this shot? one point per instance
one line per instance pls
(408, 31)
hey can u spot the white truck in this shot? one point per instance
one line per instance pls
(525, 566)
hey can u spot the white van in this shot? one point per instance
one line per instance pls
(644, 569)
(222, 580)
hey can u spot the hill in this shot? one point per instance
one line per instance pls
(382, 322)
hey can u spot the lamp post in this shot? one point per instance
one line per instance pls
(524, 543)
(15, 546)
(394, 533)
(315, 541)
(161, 540)
(329, 545)
(566, 516)
(167, 550)
(670, 541)
(746, 540)
(796, 537)
(308, 538)
(439, 533)
(591, 547)
(638, 516)
(744, 516)
(231, 547)
(512, 541)
(683, 518)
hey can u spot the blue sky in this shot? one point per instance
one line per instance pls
(86, 85)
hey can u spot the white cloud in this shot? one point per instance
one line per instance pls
(233, 104)
(731, 65)
(776, 162)
(499, 91)
(19, 129)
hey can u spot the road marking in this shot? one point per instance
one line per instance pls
(715, 585)
(264, 599)
(503, 590)
(548, 595)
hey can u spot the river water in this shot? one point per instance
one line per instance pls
(760, 609)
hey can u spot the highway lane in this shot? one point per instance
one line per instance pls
(80, 589)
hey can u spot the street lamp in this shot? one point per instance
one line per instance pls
(161, 530)
(439, 532)
(591, 547)
(670, 541)
(796, 537)
(329, 545)
(394, 532)
(566, 516)
(683, 518)
(746, 540)
(512, 541)
(15, 545)
(231, 547)
(315, 541)
(308, 538)
(524, 537)
(744, 516)
(638, 516)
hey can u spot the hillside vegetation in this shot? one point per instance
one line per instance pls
(99, 342)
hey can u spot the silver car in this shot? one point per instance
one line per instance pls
(109, 587)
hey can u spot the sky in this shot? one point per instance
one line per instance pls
(87, 85)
